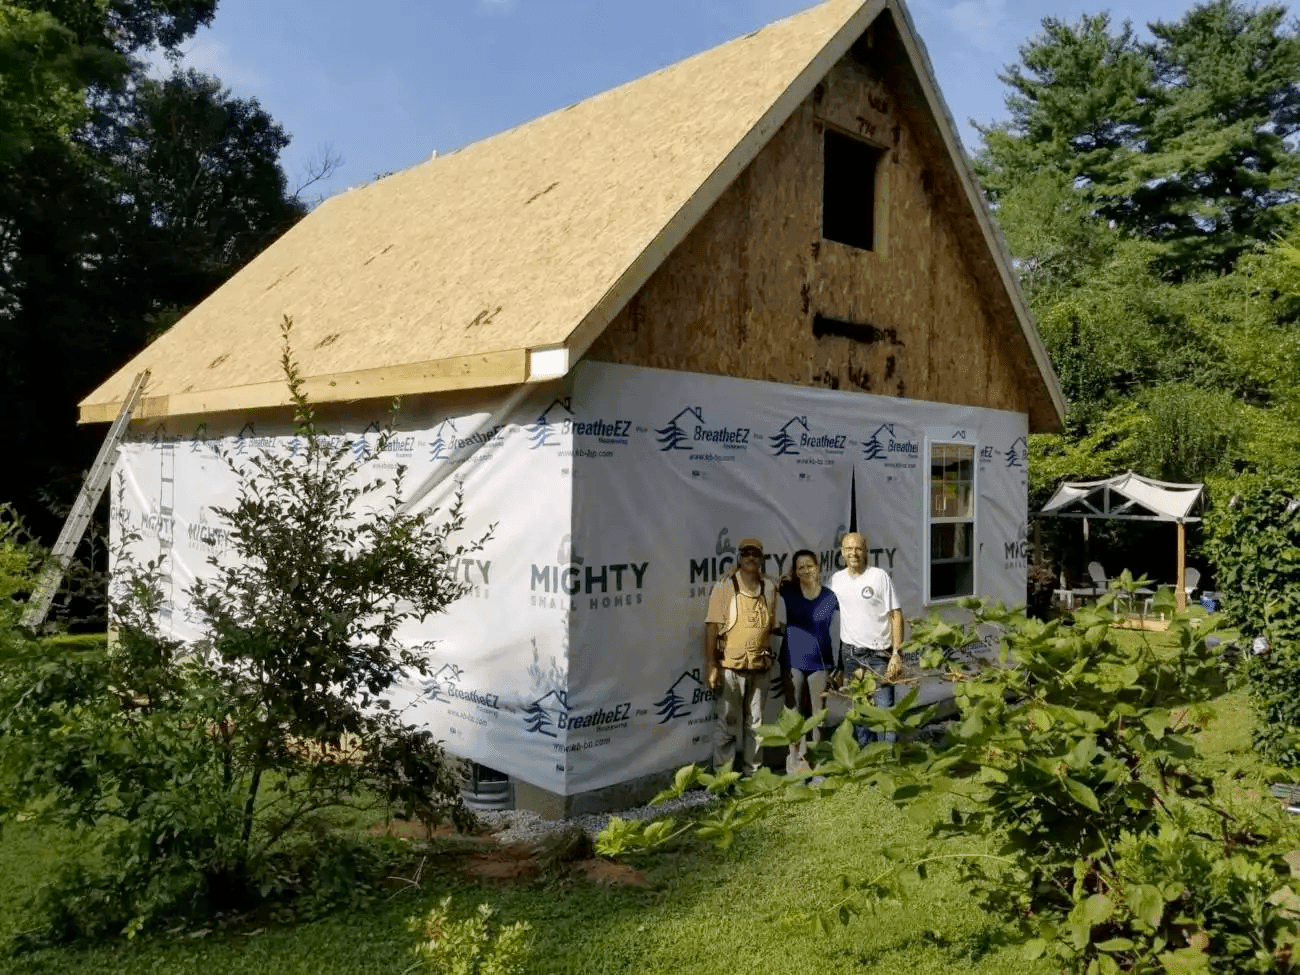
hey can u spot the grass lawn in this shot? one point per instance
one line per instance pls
(701, 910)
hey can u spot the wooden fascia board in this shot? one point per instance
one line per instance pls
(708, 193)
(992, 235)
(438, 375)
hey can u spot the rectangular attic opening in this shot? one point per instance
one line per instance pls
(849, 190)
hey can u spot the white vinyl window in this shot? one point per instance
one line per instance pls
(950, 521)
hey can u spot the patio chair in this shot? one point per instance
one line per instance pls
(1098, 575)
(1080, 593)
(1191, 580)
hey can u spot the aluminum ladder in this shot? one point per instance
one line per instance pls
(92, 489)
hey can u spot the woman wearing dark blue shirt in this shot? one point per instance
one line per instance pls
(806, 651)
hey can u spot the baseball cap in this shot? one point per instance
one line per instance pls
(751, 542)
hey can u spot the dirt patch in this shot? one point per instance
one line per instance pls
(609, 872)
(1142, 623)
(516, 862)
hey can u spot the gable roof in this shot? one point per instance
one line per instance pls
(503, 261)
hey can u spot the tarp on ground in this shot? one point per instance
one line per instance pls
(618, 497)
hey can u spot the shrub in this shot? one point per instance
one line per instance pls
(1068, 792)
(1254, 542)
(198, 779)
(474, 945)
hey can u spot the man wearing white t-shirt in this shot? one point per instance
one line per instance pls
(871, 621)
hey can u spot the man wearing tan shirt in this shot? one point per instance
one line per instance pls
(742, 612)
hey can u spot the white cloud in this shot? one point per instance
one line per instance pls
(211, 57)
(983, 23)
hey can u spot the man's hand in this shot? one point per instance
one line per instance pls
(713, 677)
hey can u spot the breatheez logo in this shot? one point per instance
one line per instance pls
(444, 686)
(374, 441)
(559, 586)
(446, 442)
(685, 692)
(546, 429)
(688, 431)
(1017, 455)
(560, 420)
(884, 444)
(550, 714)
(783, 442)
(796, 438)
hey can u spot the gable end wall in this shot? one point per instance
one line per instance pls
(740, 295)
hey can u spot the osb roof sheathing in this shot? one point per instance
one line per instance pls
(454, 273)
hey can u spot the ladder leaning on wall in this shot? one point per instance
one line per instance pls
(92, 489)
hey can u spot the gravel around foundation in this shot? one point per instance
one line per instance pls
(518, 826)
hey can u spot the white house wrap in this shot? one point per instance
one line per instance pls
(618, 497)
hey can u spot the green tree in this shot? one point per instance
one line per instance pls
(123, 202)
(40, 82)
(1183, 141)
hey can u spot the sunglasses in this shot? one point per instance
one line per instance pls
(758, 552)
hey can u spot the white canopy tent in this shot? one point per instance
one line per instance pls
(1132, 497)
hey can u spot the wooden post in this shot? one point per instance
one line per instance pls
(1180, 593)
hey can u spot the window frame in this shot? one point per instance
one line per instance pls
(879, 187)
(949, 437)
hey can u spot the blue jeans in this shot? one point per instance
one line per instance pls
(865, 658)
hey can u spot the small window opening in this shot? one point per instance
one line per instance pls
(849, 191)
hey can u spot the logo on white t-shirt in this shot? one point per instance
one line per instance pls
(868, 592)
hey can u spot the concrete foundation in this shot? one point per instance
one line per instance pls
(624, 795)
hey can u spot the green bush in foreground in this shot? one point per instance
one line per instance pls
(207, 780)
(470, 946)
(1254, 541)
(1072, 798)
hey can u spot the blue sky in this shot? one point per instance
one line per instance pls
(384, 83)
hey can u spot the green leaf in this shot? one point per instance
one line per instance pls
(1147, 904)
(1096, 909)
(791, 724)
(773, 736)
(1156, 720)
(1185, 961)
(1082, 794)
(1113, 945)
(811, 724)
(844, 748)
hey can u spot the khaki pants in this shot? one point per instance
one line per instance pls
(742, 696)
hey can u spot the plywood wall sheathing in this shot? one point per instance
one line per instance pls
(741, 295)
